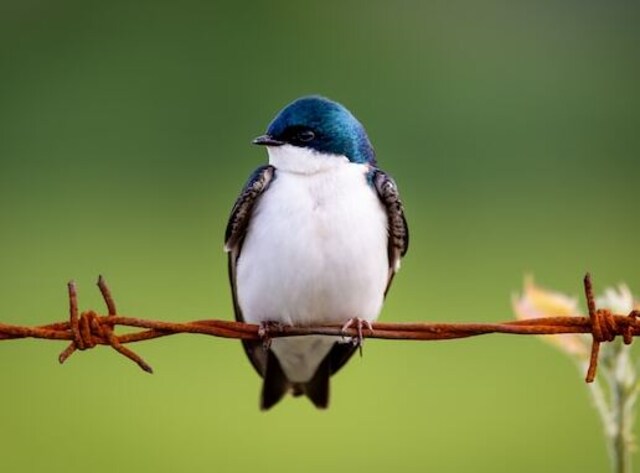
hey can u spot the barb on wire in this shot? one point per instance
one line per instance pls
(88, 329)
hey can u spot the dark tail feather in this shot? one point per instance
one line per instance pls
(275, 383)
(317, 389)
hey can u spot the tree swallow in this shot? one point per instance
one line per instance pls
(315, 238)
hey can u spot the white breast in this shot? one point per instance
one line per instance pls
(315, 252)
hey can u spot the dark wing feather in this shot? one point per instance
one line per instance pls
(243, 207)
(234, 237)
(398, 230)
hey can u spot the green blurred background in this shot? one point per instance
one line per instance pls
(512, 129)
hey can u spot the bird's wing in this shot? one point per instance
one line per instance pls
(243, 207)
(237, 226)
(389, 196)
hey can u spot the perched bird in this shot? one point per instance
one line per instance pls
(314, 238)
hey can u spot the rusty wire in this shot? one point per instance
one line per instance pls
(88, 329)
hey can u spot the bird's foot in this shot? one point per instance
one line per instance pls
(359, 324)
(265, 329)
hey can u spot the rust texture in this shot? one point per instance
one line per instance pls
(89, 329)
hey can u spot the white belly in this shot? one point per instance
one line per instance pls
(315, 253)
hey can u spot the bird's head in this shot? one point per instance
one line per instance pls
(322, 126)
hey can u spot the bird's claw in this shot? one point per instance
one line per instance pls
(265, 329)
(359, 324)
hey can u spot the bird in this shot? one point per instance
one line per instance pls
(315, 237)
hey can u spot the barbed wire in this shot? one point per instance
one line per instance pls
(89, 329)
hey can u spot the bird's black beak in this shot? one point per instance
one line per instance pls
(266, 140)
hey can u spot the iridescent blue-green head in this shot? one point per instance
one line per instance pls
(322, 125)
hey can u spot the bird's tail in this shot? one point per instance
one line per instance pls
(276, 384)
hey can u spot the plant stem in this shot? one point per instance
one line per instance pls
(619, 442)
(616, 410)
(620, 376)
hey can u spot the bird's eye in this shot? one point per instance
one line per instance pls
(306, 135)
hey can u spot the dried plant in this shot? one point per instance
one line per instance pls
(615, 391)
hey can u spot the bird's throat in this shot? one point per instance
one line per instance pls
(303, 160)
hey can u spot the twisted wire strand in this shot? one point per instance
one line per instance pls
(89, 329)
